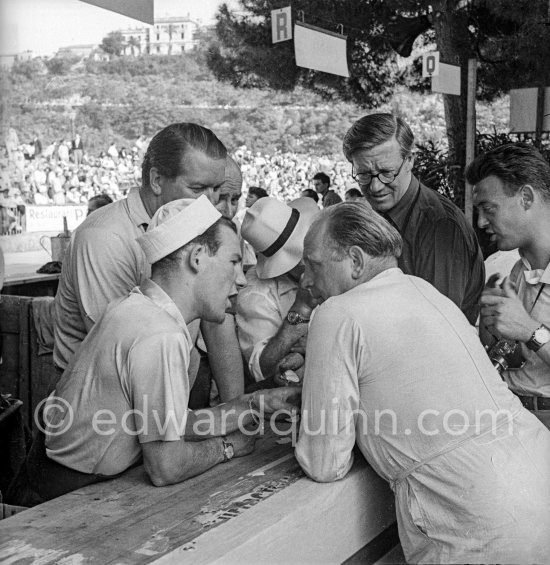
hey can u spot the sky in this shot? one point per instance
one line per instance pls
(43, 26)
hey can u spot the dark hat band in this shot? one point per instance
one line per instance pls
(285, 234)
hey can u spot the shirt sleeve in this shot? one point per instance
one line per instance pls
(102, 271)
(445, 260)
(258, 319)
(159, 386)
(330, 396)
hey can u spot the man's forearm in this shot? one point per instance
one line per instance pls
(224, 356)
(220, 420)
(170, 462)
(279, 346)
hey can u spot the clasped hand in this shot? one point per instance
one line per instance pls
(503, 313)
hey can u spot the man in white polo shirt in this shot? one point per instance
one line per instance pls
(512, 195)
(104, 261)
(124, 395)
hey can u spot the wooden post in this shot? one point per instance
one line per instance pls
(540, 117)
(470, 133)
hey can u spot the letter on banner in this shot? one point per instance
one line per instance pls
(281, 25)
(320, 50)
(448, 80)
(142, 10)
(430, 64)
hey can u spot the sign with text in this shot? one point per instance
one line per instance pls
(281, 25)
(448, 80)
(142, 10)
(523, 110)
(320, 50)
(50, 218)
(430, 64)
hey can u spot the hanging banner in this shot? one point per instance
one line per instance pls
(142, 10)
(50, 218)
(281, 25)
(448, 80)
(320, 50)
(523, 110)
(430, 64)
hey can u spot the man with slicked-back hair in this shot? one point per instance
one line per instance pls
(438, 243)
(104, 261)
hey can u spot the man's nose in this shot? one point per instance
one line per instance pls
(376, 186)
(240, 280)
(482, 222)
(213, 194)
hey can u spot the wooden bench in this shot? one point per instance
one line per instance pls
(255, 509)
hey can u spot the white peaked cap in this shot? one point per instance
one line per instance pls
(176, 224)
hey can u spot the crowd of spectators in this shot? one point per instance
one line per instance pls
(63, 172)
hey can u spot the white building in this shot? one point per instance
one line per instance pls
(169, 36)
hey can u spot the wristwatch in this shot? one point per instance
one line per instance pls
(540, 337)
(293, 318)
(228, 451)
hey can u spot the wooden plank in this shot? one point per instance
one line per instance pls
(248, 509)
(308, 522)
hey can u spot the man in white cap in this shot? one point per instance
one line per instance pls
(104, 261)
(272, 311)
(124, 396)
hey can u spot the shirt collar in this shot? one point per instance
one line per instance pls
(153, 291)
(137, 210)
(399, 212)
(535, 276)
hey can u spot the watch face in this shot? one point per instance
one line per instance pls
(228, 450)
(295, 318)
(542, 335)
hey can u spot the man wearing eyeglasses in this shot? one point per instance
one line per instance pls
(439, 245)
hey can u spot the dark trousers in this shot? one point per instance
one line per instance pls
(40, 479)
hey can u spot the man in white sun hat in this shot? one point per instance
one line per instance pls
(272, 311)
(124, 395)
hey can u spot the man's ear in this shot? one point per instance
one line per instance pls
(411, 161)
(527, 195)
(195, 258)
(357, 256)
(155, 180)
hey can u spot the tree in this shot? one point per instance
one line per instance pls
(113, 43)
(508, 36)
(134, 45)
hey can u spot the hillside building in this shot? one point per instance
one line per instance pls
(169, 36)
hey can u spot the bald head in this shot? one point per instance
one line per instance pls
(231, 189)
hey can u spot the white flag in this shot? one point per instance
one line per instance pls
(320, 50)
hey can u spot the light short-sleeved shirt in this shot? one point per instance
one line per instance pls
(103, 262)
(534, 378)
(395, 366)
(131, 376)
(262, 307)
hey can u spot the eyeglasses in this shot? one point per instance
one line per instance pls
(365, 179)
